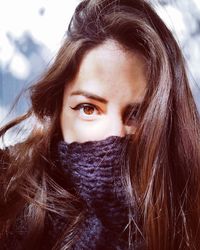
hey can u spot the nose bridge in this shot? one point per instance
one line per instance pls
(117, 127)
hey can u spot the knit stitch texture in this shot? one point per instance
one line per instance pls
(95, 169)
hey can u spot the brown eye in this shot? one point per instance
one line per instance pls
(86, 109)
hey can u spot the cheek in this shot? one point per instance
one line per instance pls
(88, 131)
(75, 129)
(66, 122)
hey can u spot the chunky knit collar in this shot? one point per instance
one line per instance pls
(95, 171)
(96, 168)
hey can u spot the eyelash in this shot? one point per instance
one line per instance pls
(83, 105)
(130, 115)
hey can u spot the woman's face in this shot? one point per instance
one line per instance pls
(97, 102)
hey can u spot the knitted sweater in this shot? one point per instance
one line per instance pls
(93, 169)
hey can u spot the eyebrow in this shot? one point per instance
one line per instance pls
(101, 99)
(89, 95)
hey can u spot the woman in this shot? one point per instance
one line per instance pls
(112, 159)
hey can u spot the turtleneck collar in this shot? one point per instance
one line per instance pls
(95, 170)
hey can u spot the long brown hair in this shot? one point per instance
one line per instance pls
(164, 167)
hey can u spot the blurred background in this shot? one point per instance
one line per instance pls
(32, 31)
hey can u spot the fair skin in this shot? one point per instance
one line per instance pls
(117, 78)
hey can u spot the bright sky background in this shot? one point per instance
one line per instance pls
(18, 16)
(46, 21)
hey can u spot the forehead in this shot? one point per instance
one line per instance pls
(110, 71)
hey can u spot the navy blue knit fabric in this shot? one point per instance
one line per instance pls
(95, 170)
